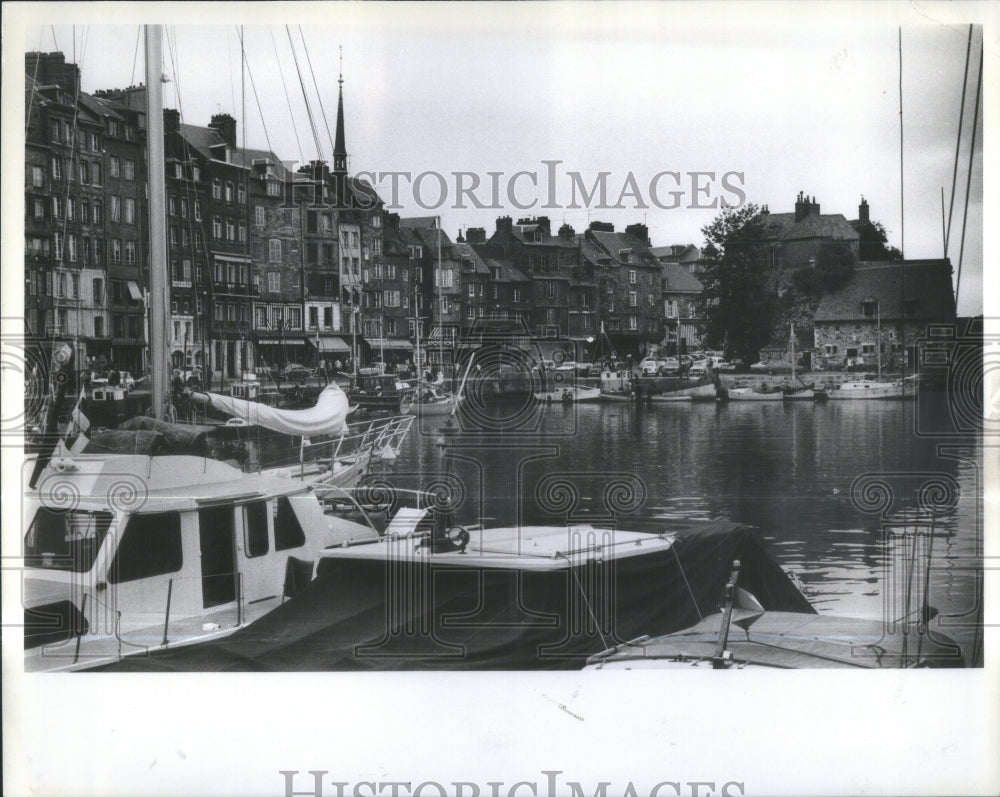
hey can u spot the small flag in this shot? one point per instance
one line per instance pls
(76, 435)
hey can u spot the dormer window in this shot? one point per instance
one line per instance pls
(869, 307)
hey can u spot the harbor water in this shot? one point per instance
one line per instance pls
(875, 506)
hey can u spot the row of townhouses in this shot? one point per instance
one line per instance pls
(269, 263)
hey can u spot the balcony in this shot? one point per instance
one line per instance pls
(235, 289)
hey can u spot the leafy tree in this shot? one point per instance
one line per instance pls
(873, 244)
(739, 301)
(832, 270)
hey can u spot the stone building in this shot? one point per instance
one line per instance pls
(883, 313)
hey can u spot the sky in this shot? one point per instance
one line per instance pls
(782, 100)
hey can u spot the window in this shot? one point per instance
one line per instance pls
(229, 191)
(216, 188)
(376, 221)
(57, 245)
(129, 169)
(260, 317)
(114, 166)
(95, 142)
(216, 228)
(242, 194)
(150, 546)
(116, 208)
(185, 238)
(327, 317)
(97, 209)
(129, 210)
(98, 291)
(274, 250)
(173, 236)
(130, 253)
(295, 318)
(274, 281)
(196, 173)
(95, 174)
(517, 294)
(631, 276)
(273, 188)
(258, 213)
(172, 205)
(551, 289)
(61, 540)
(98, 252)
(633, 322)
(37, 177)
(197, 210)
(869, 308)
(416, 252)
(472, 290)
(632, 299)
(230, 230)
(98, 326)
(71, 240)
(57, 168)
(867, 348)
(255, 528)
(56, 207)
(116, 251)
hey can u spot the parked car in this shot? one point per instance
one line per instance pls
(669, 365)
(764, 367)
(720, 364)
(698, 368)
(294, 372)
(650, 366)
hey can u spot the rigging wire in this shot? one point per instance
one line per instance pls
(260, 111)
(968, 182)
(288, 99)
(135, 55)
(229, 58)
(305, 96)
(958, 140)
(319, 98)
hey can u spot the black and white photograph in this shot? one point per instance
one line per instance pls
(496, 399)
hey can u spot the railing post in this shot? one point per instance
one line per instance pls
(166, 619)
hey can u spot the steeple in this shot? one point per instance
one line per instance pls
(339, 147)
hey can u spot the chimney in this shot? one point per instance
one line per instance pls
(566, 231)
(51, 69)
(544, 223)
(601, 226)
(171, 120)
(801, 207)
(863, 212)
(475, 235)
(225, 126)
(640, 231)
(505, 224)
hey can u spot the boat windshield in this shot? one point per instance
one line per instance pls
(65, 540)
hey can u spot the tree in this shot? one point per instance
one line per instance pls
(738, 302)
(873, 242)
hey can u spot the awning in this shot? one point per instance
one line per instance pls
(328, 343)
(133, 291)
(390, 343)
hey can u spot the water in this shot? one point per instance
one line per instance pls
(836, 489)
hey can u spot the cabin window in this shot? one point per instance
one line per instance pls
(255, 529)
(150, 546)
(61, 540)
(287, 529)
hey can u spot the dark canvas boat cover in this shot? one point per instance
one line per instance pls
(369, 615)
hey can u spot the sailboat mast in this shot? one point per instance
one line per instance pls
(157, 219)
(791, 340)
(440, 301)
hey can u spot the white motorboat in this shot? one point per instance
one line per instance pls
(755, 394)
(569, 394)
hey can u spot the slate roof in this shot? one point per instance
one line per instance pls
(508, 273)
(614, 242)
(680, 280)
(464, 251)
(783, 227)
(99, 106)
(419, 222)
(928, 282)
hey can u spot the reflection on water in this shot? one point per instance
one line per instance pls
(834, 488)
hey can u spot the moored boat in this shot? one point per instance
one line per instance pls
(762, 393)
(861, 389)
(569, 394)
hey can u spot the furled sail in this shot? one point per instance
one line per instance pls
(328, 416)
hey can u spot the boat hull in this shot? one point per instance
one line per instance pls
(868, 391)
(569, 395)
(748, 394)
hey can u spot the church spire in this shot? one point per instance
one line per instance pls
(340, 147)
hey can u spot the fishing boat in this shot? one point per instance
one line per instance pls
(568, 394)
(616, 385)
(796, 389)
(783, 640)
(759, 393)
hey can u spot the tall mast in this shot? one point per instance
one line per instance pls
(791, 340)
(157, 219)
(440, 301)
